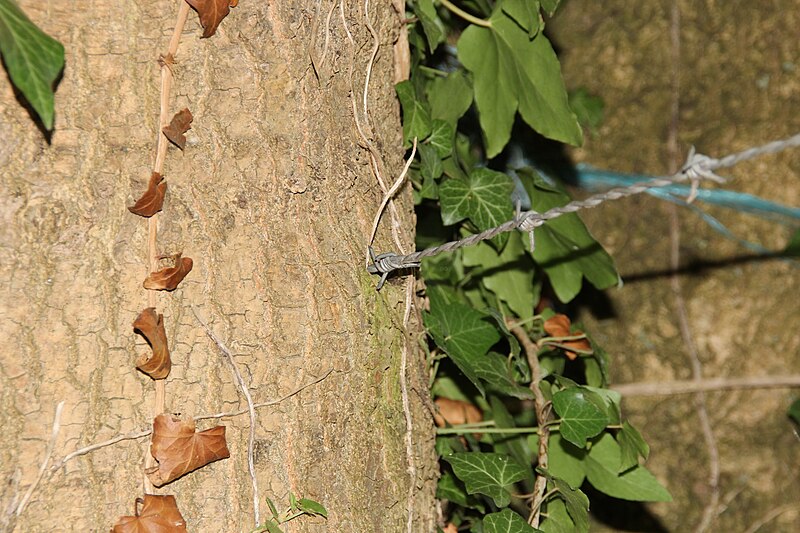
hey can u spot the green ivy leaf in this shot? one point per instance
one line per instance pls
(636, 484)
(587, 107)
(499, 376)
(514, 445)
(509, 275)
(577, 505)
(550, 6)
(311, 507)
(430, 163)
(484, 198)
(582, 412)
(416, 117)
(564, 247)
(451, 489)
(565, 461)
(450, 96)
(487, 473)
(506, 521)
(442, 134)
(513, 72)
(465, 335)
(632, 445)
(431, 25)
(525, 13)
(794, 411)
(611, 401)
(557, 519)
(33, 59)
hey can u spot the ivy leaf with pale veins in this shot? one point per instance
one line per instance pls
(636, 484)
(487, 473)
(167, 279)
(181, 123)
(416, 117)
(506, 521)
(151, 326)
(179, 449)
(152, 200)
(464, 335)
(159, 514)
(513, 72)
(33, 59)
(582, 412)
(564, 247)
(484, 197)
(211, 13)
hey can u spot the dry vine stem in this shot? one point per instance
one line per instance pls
(152, 223)
(542, 408)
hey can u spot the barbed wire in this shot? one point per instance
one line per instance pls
(698, 167)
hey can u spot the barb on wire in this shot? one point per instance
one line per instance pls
(698, 167)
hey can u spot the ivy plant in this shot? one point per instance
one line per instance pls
(33, 59)
(547, 425)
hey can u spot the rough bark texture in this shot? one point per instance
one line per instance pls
(273, 199)
(739, 86)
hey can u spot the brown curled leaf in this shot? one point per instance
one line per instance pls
(167, 279)
(152, 200)
(179, 449)
(151, 326)
(180, 124)
(211, 13)
(559, 326)
(159, 514)
(456, 412)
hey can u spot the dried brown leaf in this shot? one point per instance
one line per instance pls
(168, 278)
(559, 326)
(211, 13)
(455, 412)
(152, 200)
(181, 123)
(151, 326)
(159, 514)
(179, 449)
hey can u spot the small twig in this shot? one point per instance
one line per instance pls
(47, 454)
(250, 408)
(668, 388)
(531, 350)
(770, 516)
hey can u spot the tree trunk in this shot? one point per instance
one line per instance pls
(273, 198)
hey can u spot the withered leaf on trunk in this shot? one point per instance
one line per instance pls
(559, 326)
(159, 514)
(152, 200)
(168, 278)
(180, 124)
(151, 326)
(179, 449)
(211, 13)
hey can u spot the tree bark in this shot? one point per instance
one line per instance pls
(273, 198)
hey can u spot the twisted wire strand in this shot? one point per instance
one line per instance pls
(698, 167)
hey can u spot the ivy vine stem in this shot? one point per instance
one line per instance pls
(531, 350)
(472, 19)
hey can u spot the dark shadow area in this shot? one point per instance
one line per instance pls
(23, 102)
(698, 267)
(622, 515)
